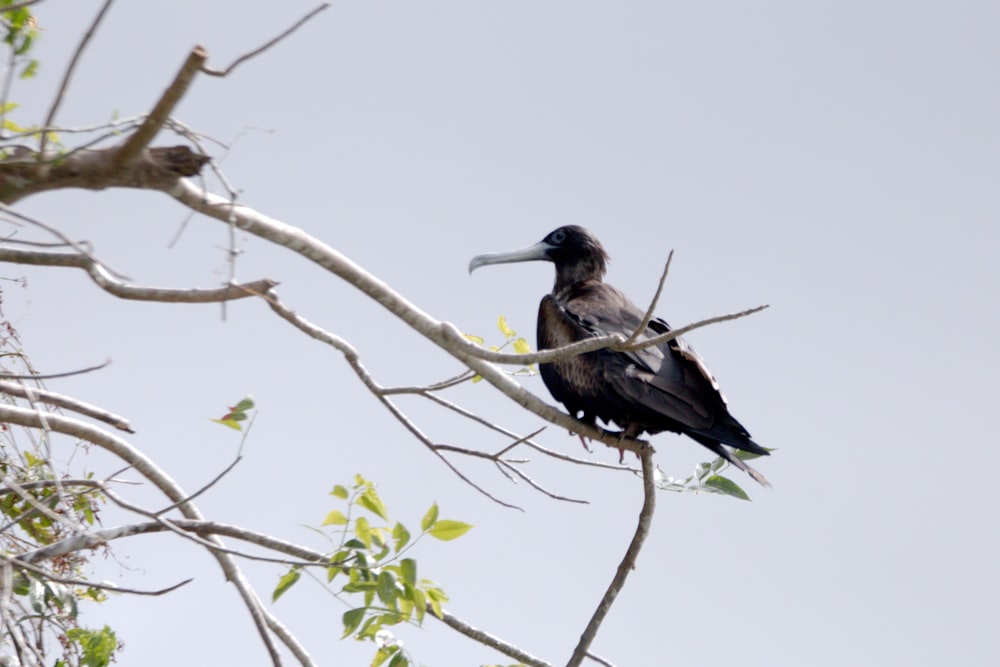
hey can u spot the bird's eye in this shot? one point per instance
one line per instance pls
(558, 236)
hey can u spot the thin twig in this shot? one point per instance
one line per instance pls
(265, 47)
(203, 489)
(538, 487)
(599, 660)
(50, 376)
(652, 305)
(68, 74)
(627, 564)
(20, 5)
(24, 565)
(79, 247)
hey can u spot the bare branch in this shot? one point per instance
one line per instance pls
(122, 290)
(66, 402)
(68, 74)
(265, 47)
(487, 639)
(627, 564)
(142, 137)
(22, 565)
(652, 305)
(614, 342)
(50, 376)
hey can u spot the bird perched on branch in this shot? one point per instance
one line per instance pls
(665, 387)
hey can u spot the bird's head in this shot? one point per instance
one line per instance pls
(577, 254)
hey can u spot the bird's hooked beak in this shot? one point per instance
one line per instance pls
(539, 251)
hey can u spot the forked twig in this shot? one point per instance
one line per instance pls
(652, 306)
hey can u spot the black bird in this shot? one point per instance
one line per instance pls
(666, 387)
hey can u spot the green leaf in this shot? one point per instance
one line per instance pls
(408, 568)
(30, 70)
(244, 405)
(97, 645)
(429, 518)
(726, 486)
(504, 329)
(352, 619)
(419, 604)
(335, 518)
(477, 378)
(387, 591)
(383, 654)
(370, 501)
(401, 536)
(436, 596)
(478, 340)
(399, 660)
(339, 492)
(230, 423)
(521, 346)
(446, 529)
(287, 581)
(363, 531)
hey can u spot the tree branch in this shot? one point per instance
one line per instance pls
(265, 47)
(123, 290)
(67, 402)
(487, 639)
(138, 140)
(627, 564)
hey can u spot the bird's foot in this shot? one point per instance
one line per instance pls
(583, 441)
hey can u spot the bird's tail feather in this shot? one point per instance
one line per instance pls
(728, 454)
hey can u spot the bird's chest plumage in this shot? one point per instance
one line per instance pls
(576, 382)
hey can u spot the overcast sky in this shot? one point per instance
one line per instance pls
(839, 161)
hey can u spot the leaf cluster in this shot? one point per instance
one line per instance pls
(236, 414)
(706, 478)
(370, 566)
(38, 509)
(520, 345)
(20, 31)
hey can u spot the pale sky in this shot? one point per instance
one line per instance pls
(838, 161)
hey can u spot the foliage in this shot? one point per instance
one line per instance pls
(38, 507)
(20, 31)
(520, 345)
(706, 478)
(236, 414)
(383, 585)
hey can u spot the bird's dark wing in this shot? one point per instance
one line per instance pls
(668, 379)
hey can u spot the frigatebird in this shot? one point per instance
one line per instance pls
(665, 387)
